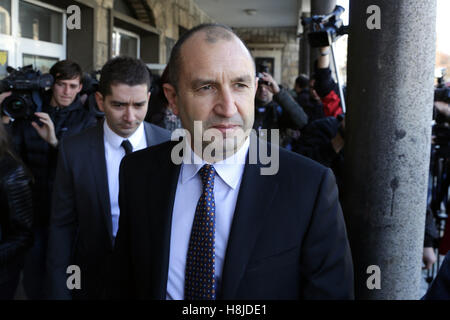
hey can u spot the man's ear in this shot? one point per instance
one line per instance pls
(80, 87)
(171, 96)
(99, 100)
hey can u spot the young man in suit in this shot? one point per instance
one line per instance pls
(85, 210)
(217, 228)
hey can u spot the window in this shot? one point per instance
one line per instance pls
(31, 32)
(39, 23)
(125, 43)
(39, 62)
(5, 17)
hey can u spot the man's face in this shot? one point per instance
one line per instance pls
(264, 94)
(65, 91)
(125, 108)
(216, 86)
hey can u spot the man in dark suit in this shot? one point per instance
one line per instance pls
(212, 225)
(85, 212)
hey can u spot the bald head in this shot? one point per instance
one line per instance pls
(210, 33)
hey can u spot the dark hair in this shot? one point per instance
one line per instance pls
(123, 70)
(66, 70)
(302, 81)
(214, 32)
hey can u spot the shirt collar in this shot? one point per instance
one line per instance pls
(115, 140)
(230, 169)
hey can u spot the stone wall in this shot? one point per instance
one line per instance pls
(287, 37)
(170, 15)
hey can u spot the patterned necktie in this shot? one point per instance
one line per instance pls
(200, 282)
(127, 146)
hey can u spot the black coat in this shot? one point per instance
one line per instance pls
(287, 239)
(40, 157)
(80, 225)
(16, 216)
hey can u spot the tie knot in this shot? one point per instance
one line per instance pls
(127, 146)
(207, 173)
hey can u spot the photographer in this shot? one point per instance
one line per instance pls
(36, 140)
(325, 86)
(308, 98)
(276, 109)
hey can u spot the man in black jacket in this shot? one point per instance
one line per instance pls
(85, 210)
(276, 109)
(62, 115)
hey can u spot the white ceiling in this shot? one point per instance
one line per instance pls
(270, 13)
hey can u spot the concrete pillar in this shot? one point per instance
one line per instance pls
(319, 7)
(388, 132)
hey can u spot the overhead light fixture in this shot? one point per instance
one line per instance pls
(250, 12)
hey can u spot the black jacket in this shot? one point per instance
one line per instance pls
(15, 216)
(40, 157)
(312, 107)
(80, 231)
(287, 239)
(281, 113)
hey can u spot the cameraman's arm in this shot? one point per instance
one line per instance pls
(296, 113)
(443, 108)
(47, 130)
(324, 82)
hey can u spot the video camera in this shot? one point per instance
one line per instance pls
(90, 86)
(25, 84)
(325, 29)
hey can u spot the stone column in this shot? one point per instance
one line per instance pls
(319, 7)
(388, 131)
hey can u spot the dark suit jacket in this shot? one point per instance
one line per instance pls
(440, 288)
(80, 225)
(288, 239)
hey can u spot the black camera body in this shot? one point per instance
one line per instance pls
(26, 85)
(325, 29)
(259, 70)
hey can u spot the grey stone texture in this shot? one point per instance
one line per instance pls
(388, 132)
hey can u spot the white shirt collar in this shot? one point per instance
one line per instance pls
(115, 140)
(229, 169)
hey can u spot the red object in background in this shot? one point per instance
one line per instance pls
(332, 104)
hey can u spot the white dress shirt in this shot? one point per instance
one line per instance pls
(114, 153)
(226, 188)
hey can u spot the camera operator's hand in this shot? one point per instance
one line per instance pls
(4, 95)
(443, 108)
(324, 59)
(428, 257)
(338, 141)
(47, 131)
(273, 85)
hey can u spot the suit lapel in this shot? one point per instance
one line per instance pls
(148, 134)
(98, 162)
(161, 217)
(256, 194)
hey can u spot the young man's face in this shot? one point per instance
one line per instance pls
(65, 91)
(125, 108)
(264, 94)
(216, 86)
